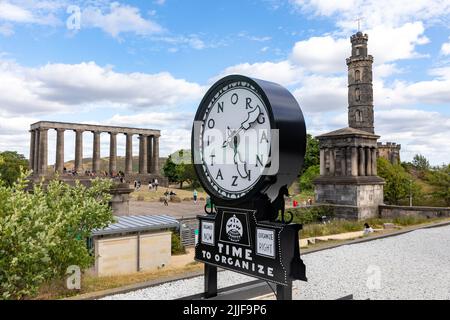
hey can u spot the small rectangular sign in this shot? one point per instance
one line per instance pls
(207, 236)
(265, 242)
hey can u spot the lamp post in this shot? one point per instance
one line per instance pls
(410, 192)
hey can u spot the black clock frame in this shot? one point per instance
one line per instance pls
(285, 115)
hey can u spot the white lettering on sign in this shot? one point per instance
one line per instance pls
(265, 242)
(207, 236)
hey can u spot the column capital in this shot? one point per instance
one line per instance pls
(60, 129)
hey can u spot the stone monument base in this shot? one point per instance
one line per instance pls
(350, 197)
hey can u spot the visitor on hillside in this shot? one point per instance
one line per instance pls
(135, 184)
(367, 229)
(166, 197)
(156, 184)
(150, 185)
(195, 194)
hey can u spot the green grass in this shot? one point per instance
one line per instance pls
(343, 226)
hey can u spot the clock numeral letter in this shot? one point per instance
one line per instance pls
(247, 103)
(212, 159)
(208, 141)
(249, 175)
(219, 174)
(234, 98)
(234, 184)
(261, 119)
(258, 159)
(219, 107)
(211, 123)
(264, 137)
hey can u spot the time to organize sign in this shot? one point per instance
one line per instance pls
(233, 239)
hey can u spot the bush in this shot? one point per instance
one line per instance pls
(307, 178)
(44, 231)
(177, 246)
(309, 215)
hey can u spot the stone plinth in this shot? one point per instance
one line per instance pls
(120, 202)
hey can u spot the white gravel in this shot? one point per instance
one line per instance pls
(414, 265)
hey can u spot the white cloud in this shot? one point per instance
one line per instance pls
(6, 29)
(445, 48)
(321, 54)
(322, 94)
(418, 131)
(377, 12)
(61, 87)
(283, 72)
(119, 19)
(30, 12)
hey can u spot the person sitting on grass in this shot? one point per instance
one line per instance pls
(367, 229)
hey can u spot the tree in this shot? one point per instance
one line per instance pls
(11, 166)
(43, 232)
(420, 163)
(306, 180)
(440, 179)
(399, 184)
(312, 154)
(170, 169)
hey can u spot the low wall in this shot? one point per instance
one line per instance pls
(118, 254)
(388, 211)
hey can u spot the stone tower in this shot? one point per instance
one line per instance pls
(348, 181)
(360, 91)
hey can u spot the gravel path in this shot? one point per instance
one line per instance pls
(414, 265)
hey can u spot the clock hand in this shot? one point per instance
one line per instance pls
(252, 116)
(237, 158)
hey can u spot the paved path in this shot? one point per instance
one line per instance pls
(184, 209)
(414, 265)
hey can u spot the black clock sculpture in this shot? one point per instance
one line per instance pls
(248, 144)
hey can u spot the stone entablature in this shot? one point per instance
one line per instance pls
(148, 147)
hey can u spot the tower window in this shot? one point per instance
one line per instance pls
(357, 51)
(357, 75)
(357, 95)
(358, 115)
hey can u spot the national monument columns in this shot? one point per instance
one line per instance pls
(148, 148)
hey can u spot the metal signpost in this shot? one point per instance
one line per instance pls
(248, 142)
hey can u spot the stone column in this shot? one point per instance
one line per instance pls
(129, 154)
(155, 159)
(332, 162)
(142, 153)
(343, 160)
(361, 162)
(43, 150)
(37, 141)
(354, 161)
(322, 162)
(374, 161)
(150, 166)
(112, 153)
(368, 161)
(96, 152)
(79, 151)
(59, 165)
(32, 146)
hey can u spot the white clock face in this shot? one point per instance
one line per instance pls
(235, 139)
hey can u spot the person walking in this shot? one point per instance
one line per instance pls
(166, 197)
(156, 184)
(195, 195)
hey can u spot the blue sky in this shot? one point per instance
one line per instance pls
(148, 63)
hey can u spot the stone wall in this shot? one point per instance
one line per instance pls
(388, 211)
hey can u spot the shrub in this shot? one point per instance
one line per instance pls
(44, 231)
(177, 246)
(307, 178)
(309, 215)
